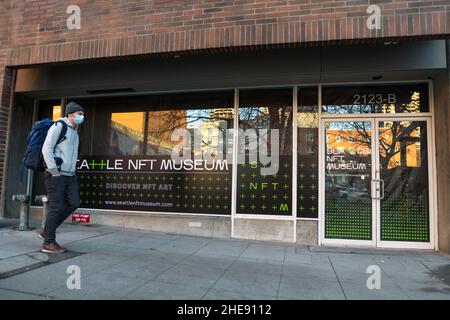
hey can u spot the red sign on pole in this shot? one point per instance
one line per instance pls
(81, 217)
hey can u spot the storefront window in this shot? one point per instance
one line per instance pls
(267, 111)
(130, 166)
(398, 98)
(307, 153)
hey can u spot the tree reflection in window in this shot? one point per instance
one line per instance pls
(267, 109)
(149, 132)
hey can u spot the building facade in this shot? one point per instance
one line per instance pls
(356, 91)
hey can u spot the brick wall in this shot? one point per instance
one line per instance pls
(38, 31)
(34, 31)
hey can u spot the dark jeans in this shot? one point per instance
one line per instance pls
(63, 199)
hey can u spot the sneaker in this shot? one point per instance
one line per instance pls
(52, 248)
(41, 234)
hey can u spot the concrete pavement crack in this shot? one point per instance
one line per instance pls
(339, 281)
(384, 271)
(282, 270)
(225, 271)
(29, 293)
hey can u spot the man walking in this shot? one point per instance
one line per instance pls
(61, 181)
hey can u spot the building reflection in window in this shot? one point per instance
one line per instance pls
(206, 116)
(127, 133)
(268, 109)
(400, 143)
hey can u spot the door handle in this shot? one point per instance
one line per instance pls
(374, 189)
(382, 189)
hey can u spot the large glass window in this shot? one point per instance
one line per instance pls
(140, 143)
(126, 143)
(398, 98)
(261, 113)
(307, 153)
(144, 125)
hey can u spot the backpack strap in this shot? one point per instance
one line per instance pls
(62, 135)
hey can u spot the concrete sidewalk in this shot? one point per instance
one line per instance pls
(132, 264)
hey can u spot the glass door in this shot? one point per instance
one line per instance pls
(349, 206)
(376, 179)
(403, 170)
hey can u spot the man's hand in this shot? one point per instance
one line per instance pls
(54, 172)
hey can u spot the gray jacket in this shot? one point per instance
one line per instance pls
(67, 150)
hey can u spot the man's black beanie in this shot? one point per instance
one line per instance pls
(72, 107)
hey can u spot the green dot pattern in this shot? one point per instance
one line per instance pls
(406, 222)
(348, 219)
(186, 192)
